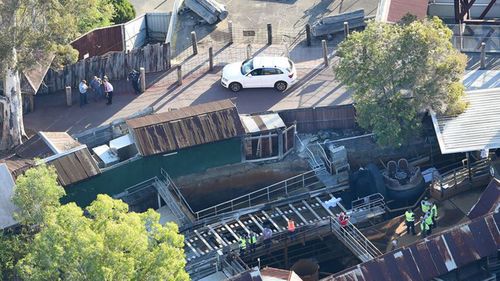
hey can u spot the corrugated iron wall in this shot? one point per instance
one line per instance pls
(99, 41)
(157, 26)
(135, 32)
(313, 119)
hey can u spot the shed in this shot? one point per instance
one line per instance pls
(73, 165)
(394, 10)
(186, 127)
(7, 208)
(432, 257)
(267, 137)
(475, 129)
(488, 202)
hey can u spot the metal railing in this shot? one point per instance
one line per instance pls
(457, 176)
(370, 202)
(354, 240)
(167, 196)
(171, 184)
(267, 194)
(313, 161)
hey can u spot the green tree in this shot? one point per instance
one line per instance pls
(397, 72)
(124, 11)
(36, 193)
(105, 243)
(29, 28)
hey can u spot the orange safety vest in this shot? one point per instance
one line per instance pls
(291, 226)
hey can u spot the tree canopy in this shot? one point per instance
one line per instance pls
(107, 243)
(397, 71)
(36, 193)
(124, 11)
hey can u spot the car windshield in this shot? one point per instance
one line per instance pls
(246, 67)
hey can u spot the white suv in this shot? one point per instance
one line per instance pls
(259, 72)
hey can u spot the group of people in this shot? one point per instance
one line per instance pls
(103, 88)
(428, 220)
(247, 242)
(98, 87)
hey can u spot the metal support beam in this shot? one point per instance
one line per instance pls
(297, 213)
(487, 9)
(311, 210)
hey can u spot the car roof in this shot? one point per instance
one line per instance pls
(259, 62)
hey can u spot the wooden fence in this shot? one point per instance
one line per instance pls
(115, 65)
(313, 119)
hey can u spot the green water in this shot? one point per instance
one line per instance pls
(187, 161)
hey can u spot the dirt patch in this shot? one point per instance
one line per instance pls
(224, 183)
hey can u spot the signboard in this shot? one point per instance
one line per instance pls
(248, 32)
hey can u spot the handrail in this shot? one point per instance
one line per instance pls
(281, 188)
(309, 152)
(170, 182)
(374, 200)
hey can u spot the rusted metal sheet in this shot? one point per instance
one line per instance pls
(434, 256)
(34, 147)
(489, 200)
(399, 8)
(99, 41)
(186, 127)
(75, 166)
(313, 119)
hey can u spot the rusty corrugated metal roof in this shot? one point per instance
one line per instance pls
(186, 127)
(488, 201)
(394, 10)
(431, 257)
(34, 147)
(74, 165)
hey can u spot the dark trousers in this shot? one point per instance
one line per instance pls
(434, 222)
(83, 99)
(109, 96)
(410, 226)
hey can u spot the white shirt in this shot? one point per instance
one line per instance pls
(83, 88)
(108, 87)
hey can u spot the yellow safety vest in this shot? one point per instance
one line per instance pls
(425, 206)
(428, 220)
(243, 243)
(253, 239)
(409, 216)
(424, 225)
(434, 211)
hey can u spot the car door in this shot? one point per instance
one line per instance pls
(272, 75)
(253, 79)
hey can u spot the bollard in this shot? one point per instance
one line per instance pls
(249, 51)
(211, 58)
(179, 75)
(308, 34)
(69, 98)
(143, 79)
(168, 55)
(346, 29)
(230, 31)
(325, 52)
(483, 55)
(194, 42)
(269, 34)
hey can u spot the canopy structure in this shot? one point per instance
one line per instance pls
(475, 129)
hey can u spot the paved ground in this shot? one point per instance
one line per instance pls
(316, 87)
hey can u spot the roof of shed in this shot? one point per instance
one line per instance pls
(261, 123)
(35, 74)
(449, 250)
(59, 141)
(74, 165)
(488, 201)
(475, 129)
(394, 10)
(34, 147)
(186, 127)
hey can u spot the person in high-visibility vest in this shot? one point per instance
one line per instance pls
(425, 205)
(434, 214)
(252, 240)
(428, 222)
(410, 221)
(424, 227)
(291, 228)
(243, 245)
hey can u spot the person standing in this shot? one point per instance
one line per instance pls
(242, 244)
(425, 205)
(108, 90)
(134, 77)
(291, 228)
(410, 221)
(95, 85)
(82, 87)
(424, 227)
(267, 234)
(434, 214)
(428, 222)
(252, 240)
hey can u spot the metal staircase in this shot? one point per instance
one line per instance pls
(169, 199)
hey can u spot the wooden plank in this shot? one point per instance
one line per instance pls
(231, 231)
(192, 248)
(219, 239)
(297, 213)
(256, 222)
(311, 209)
(243, 226)
(203, 240)
(271, 220)
(324, 207)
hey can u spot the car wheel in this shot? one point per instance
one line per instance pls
(235, 87)
(280, 86)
